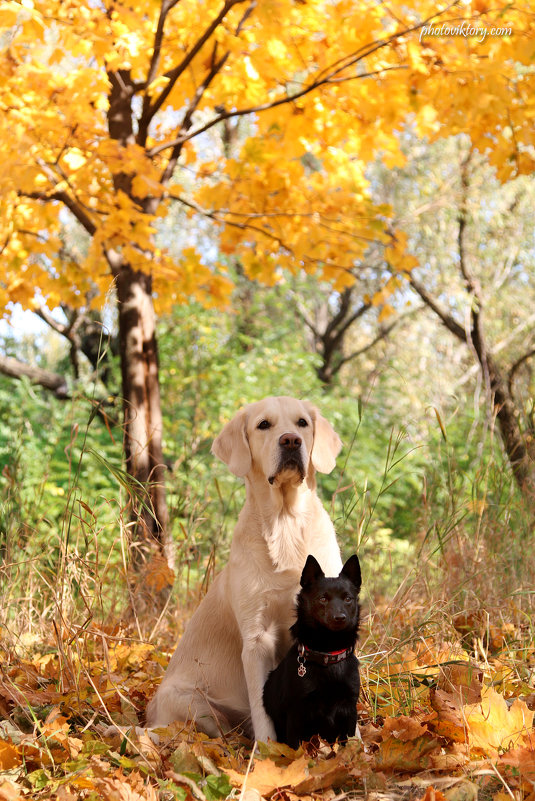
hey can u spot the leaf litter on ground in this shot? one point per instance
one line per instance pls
(436, 725)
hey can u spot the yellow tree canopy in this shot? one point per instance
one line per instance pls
(106, 108)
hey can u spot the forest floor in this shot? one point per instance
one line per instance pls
(444, 717)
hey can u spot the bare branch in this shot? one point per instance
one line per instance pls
(476, 339)
(213, 216)
(343, 309)
(383, 333)
(462, 219)
(371, 47)
(449, 321)
(84, 219)
(355, 316)
(516, 367)
(45, 378)
(302, 312)
(45, 315)
(341, 322)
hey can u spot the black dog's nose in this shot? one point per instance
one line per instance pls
(290, 442)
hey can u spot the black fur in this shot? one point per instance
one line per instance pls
(324, 700)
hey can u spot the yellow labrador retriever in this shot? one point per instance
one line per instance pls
(240, 630)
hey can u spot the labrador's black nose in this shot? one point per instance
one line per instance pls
(290, 442)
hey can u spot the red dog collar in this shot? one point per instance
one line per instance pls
(323, 658)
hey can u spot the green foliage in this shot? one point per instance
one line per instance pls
(212, 365)
(57, 510)
(41, 444)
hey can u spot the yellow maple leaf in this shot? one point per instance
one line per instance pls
(74, 159)
(386, 312)
(266, 776)
(415, 58)
(159, 83)
(493, 726)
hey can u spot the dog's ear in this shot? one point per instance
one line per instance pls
(232, 446)
(327, 443)
(351, 570)
(311, 572)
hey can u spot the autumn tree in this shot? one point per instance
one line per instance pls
(473, 238)
(517, 430)
(107, 113)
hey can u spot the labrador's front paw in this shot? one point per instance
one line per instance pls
(264, 730)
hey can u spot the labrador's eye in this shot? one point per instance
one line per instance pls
(302, 423)
(264, 424)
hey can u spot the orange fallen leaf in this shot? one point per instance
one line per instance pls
(406, 755)
(278, 751)
(9, 756)
(56, 729)
(158, 575)
(83, 782)
(468, 622)
(432, 795)
(522, 759)
(370, 733)
(303, 777)
(455, 756)
(447, 720)
(464, 680)
(350, 762)
(126, 788)
(403, 728)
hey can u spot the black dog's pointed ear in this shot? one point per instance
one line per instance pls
(311, 571)
(351, 569)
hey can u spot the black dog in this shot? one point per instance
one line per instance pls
(315, 688)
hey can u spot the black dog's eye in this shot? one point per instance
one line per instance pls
(322, 599)
(302, 423)
(264, 424)
(348, 599)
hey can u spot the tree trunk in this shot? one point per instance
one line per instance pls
(515, 442)
(518, 444)
(138, 349)
(142, 416)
